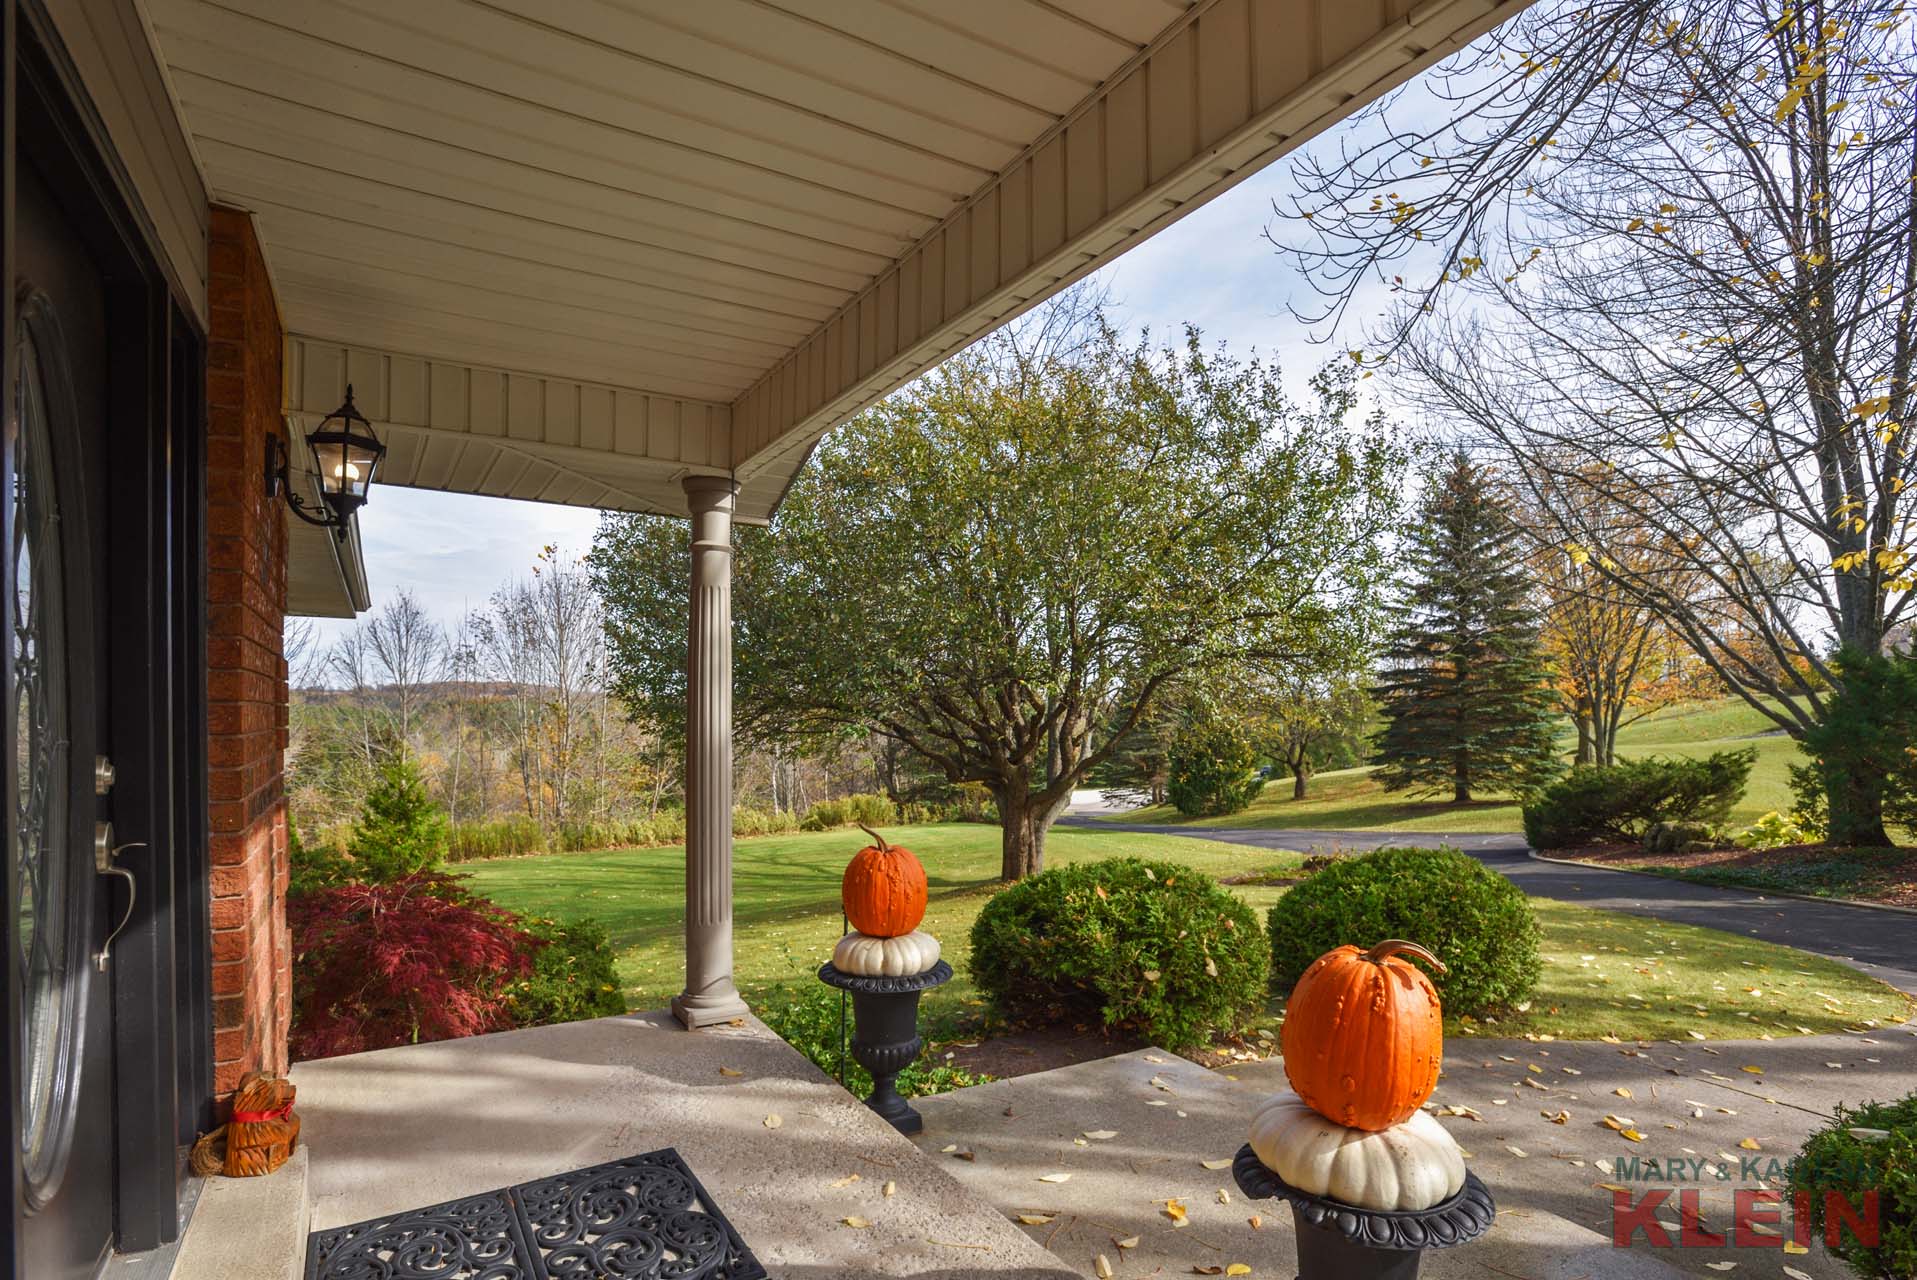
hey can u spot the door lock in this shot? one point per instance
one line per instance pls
(103, 775)
(105, 853)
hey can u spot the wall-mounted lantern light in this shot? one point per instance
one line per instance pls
(345, 455)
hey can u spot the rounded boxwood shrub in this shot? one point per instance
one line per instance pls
(1476, 921)
(1152, 948)
(1867, 1150)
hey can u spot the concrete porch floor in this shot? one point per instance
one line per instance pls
(1169, 1117)
(404, 1128)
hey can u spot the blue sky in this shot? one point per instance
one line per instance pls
(1213, 269)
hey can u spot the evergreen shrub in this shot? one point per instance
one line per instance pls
(1154, 949)
(1625, 801)
(1867, 1151)
(1472, 918)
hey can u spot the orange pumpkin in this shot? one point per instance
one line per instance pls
(1363, 1035)
(884, 889)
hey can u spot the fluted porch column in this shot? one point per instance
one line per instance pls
(709, 996)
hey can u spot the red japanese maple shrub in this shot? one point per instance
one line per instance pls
(415, 959)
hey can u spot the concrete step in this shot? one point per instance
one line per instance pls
(249, 1228)
(1170, 1117)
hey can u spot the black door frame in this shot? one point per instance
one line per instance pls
(160, 970)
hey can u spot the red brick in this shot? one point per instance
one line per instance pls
(227, 1076)
(231, 944)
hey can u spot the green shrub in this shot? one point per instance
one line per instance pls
(807, 1018)
(572, 974)
(750, 821)
(1863, 761)
(1624, 801)
(502, 838)
(1882, 1158)
(400, 831)
(1211, 769)
(1152, 948)
(1475, 920)
(872, 810)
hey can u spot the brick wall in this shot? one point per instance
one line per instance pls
(246, 676)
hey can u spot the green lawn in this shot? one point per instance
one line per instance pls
(1350, 800)
(786, 917)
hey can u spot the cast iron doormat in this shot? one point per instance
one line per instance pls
(641, 1218)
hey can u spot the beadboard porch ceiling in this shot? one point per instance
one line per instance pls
(573, 250)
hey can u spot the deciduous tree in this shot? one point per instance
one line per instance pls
(1668, 251)
(1005, 564)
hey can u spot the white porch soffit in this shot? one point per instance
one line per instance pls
(572, 250)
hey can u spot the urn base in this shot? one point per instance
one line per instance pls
(885, 1033)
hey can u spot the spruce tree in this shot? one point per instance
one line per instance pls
(400, 829)
(1465, 689)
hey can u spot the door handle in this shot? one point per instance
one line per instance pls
(104, 854)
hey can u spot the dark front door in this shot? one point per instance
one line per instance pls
(61, 774)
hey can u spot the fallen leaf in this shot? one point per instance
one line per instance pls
(1215, 1164)
(1756, 1071)
(890, 1189)
(1151, 975)
(1795, 1274)
(1129, 1242)
(1622, 1092)
(1561, 1117)
(1750, 1144)
(1175, 1210)
(1791, 1246)
(1035, 1219)
(728, 1071)
(1257, 1222)
(846, 1181)
(1721, 1266)
(1516, 1151)
(1237, 1269)
(1055, 1177)
(1101, 1135)
(855, 1221)
(1102, 1266)
(1632, 1135)
(1224, 1196)
(774, 1120)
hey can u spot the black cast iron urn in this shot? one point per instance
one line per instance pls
(885, 1032)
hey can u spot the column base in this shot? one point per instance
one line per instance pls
(707, 1010)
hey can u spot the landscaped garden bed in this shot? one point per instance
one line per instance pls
(1886, 876)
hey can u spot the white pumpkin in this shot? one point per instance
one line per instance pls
(871, 957)
(1413, 1165)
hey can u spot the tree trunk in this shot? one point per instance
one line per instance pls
(1856, 810)
(1300, 779)
(1023, 822)
(1587, 735)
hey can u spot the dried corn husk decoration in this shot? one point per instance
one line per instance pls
(260, 1136)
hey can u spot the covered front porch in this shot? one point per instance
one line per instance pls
(633, 257)
(784, 1154)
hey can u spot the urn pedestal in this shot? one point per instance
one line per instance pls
(1343, 1242)
(885, 1033)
